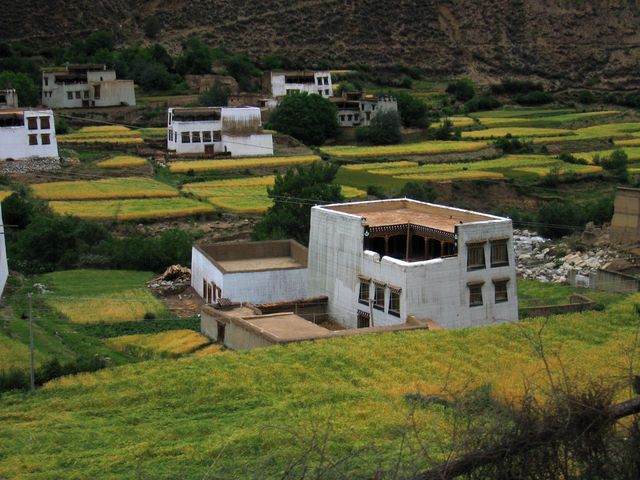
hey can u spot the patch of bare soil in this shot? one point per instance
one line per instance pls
(186, 304)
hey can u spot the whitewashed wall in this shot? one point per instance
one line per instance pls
(115, 93)
(4, 268)
(279, 87)
(14, 141)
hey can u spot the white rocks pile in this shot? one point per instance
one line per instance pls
(30, 165)
(543, 260)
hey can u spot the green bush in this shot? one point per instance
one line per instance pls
(484, 102)
(586, 97)
(447, 131)
(509, 144)
(534, 98)
(511, 87)
(418, 191)
(568, 158)
(376, 191)
(384, 129)
(616, 164)
(413, 112)
(462, 90)
(216, 96)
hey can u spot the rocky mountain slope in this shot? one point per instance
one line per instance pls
(588, 42)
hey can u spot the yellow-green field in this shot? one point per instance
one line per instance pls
(236, 414)
(516, 132)
(535, 121)
(458, 122)
(129, 187)
(603, 131)
(245, 195)
(122, 161)
(633, 153)
(423, 148)
(564, 169)
(130, 209)
(95, 296)
(4, 194)
(240, 163)
(173, 343)
(105, 134)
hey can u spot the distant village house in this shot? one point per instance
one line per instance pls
(279, 84)
(209, 131)
(78, 86)
(26, 133)
(356, 109)
(8, 99)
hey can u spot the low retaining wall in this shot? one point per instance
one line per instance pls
(577, 303)
(607, 281)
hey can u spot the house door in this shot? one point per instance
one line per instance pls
(220, 335)
(208, 149)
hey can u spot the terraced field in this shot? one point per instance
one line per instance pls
(240, 163)
(104, 134)
(516, 132)
(122, 161)
(169, 344)
(423, 148)
(131, 209)
(129, 187)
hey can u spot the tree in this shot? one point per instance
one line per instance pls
(413, 112)
(418, 191)
(293, 195)
(152, 26)
(196, 58)
(309, 118)
(216, 96)
(28, 95)
(461, 89)
(446, 131)
(384, 129)
(616, 164)
(242, 69)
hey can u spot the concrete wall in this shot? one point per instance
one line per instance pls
(609, 281)
(279, 87)
(101, 76)
(249, 287)
(14, 141)
(8, 99)
(255, 145)
(625, 224)
(4, 268)
(114, 93)
(433, 289)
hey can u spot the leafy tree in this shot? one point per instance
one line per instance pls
(384, 129)
(462, 90)
(534, 98)
(309, 118)
(216, 96)
(242, 69)
(196, 58)
(97, 41)
(152, 26)
(413, 112)
(586, 97)
(511, 87)
(345, 86)
(558, 218)
(484, 102)
(418, 191)
(160, 55)
(293, 195)
(446, 131)
(616, 164)
(509, 144)
(28, 95)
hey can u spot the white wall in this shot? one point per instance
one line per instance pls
(14, 141)
(114, 93)
(4, 268)
(279, 87)
(255, 145)
(434, 289)
(101, 76)
(254, 287)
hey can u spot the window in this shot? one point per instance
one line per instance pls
(319, 80)
(378, 298)
(69, 95)
(33, 139)
(32, 122)
(45, 139)
(364, 292)
(44, 123)
(475, 256)
(342, 118)
(394, 302)
(356, 117)
(46, 81)
(326, 81)
(169, 135)
(364, 319)
(185, 137)
(217, 136)
(368, 115)
(350, 117)
(96, 92)
(475, 295)
(500, 287)
(195, 137)
(86, 94)
(327, 93)
(499, 254)
(78, 94)
(206, 137)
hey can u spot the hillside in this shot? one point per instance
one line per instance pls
(251, 414)
(591, 42)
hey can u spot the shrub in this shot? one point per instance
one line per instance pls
(62, 127)
(512, 87)
(376, 191)
(413, 112)
(586, 97)
(568, 158)
(534, 98)
(418, 191)
(152, 26)
(509, 144)
(216, 96)
(446, 131)
(384, 129)
(616, 164)
(484, 102)
(462, 90)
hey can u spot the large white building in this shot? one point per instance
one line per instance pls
(253, 272)
(357, 109)
(77, 86)
(383, 262)
(279, 84)
(236, 131)
(27, 133)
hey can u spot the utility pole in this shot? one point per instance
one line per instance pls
(32, 369)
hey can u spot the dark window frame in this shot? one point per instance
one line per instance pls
(378, 296)
(364, 299)
(502, 295)
(394, 294)
(499, 247)
(475, 295)
(472, 250)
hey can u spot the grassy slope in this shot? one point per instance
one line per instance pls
(236, 415)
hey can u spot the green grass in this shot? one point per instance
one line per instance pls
(250, 415)
(432, 147)
(532, 293)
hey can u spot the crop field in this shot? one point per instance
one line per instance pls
(561, 170)
(603, 131)
(13, 353)
(173, 343)
(521, 113)
(130, 209)
(229, 416)
(555, 120)
(245, 195)
(632, 152)
(376, 165)
(105, 134)
(130, 187)
(4, 194)
(122, 161)
(516, 132)
(95, 296)
(423, 148)
(458, 122)
(208, 351)
(240, 163)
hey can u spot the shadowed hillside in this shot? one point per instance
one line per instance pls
(575, 41)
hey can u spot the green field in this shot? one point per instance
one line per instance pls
(240, 163)
(172, 344)
(515, 132)
(122, 161)
(432, 147)
(131, 209)
(252, 414)
(131, 187)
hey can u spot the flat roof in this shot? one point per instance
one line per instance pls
(254, 264)
(379, 213)
(286, 327)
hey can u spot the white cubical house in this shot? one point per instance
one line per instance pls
(8, 99)
(235, 131)
(383, 262)
(357, 109)
(93, 85)
(279, 84)
(27, 133)
(4, 267)
(254, 272)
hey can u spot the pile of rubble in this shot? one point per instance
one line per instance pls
(175, 279)
(548, 261)
(30, 165)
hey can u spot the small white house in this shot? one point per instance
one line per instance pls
(27, 133)
(250, 272)
(279, 84)
(385, 262)
(77, 86)
(8, 99)
(235, 131)
(4, 267)
(357, 109)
